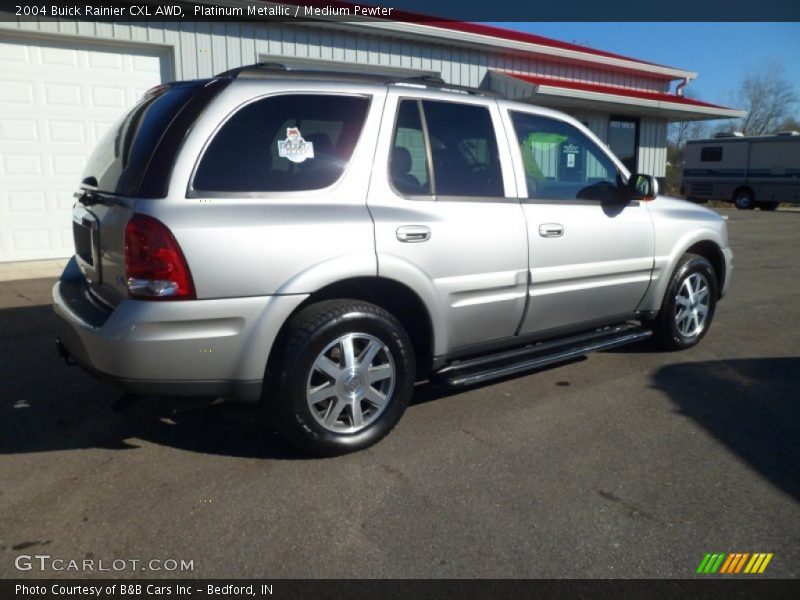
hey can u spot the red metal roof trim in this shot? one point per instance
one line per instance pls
(610, 89)
(479, 29)
(529, 38)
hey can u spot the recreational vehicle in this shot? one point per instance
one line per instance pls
(750, 171)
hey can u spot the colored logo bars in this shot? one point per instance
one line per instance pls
(735, 562)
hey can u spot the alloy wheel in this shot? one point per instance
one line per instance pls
(691, 305)
(350, 383)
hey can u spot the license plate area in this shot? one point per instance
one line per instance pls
(83, 242)
(86, 235)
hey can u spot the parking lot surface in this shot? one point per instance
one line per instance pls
(630, 463)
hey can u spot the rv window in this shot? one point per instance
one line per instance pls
(711, 154)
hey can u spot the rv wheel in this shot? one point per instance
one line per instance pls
(743, 199)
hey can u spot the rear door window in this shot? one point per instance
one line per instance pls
(464, 151)
(286, 143)
(408, 163)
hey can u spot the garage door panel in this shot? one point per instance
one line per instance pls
(56, 94)
(16, 92)
(108, 97)
(57, 99)
(66, 57)
(12, 130)
(66, 131)
(27, 202)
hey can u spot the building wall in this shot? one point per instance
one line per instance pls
(653, 147)
(203, 49)
(652, 157)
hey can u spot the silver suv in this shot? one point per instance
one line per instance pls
(320, 242)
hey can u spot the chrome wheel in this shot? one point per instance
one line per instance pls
(692, 305)
(350, 383)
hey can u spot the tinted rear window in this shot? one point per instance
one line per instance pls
(136, 155)
(464, 150)
(285, 143)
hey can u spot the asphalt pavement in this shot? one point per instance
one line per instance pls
(629, 463)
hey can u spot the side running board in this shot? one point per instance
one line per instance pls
(534, 356)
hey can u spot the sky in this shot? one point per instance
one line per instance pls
(721, 53)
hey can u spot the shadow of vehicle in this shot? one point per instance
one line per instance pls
(46, 406)
(750, 405)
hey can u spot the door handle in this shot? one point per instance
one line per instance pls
(413, 233)
(551, 230)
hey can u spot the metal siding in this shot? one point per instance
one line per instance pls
(201, 50)
(652, 147)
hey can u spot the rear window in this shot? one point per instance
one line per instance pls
(135, 157)
(286, 143)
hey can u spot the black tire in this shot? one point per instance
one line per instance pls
(768, 206)
(744, 199)
(667, 333)
(308, 334)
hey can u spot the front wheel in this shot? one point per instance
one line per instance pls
(346, 374)
(689, 304)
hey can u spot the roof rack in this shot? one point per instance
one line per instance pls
(234, 73)
(269, 70)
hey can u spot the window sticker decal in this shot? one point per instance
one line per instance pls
(570, 150)
(294, 147)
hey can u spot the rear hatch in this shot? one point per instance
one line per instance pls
(131, 163)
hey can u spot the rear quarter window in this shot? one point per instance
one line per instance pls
(286, 143)
(136, 155)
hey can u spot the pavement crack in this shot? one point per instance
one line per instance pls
(631, 509)
(24, 545)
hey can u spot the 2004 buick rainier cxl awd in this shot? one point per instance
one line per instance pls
(320, 242)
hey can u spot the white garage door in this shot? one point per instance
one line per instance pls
(56, 101)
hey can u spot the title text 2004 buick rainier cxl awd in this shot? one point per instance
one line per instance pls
(320, 242)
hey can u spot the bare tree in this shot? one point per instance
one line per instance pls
(678, 134)
(769, 98)
(681, 131)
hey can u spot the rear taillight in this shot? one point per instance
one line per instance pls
(155, 268)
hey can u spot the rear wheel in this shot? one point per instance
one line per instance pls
(744, 200)
(689, 304)
(346, 376)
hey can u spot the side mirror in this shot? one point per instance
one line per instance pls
(641, 187)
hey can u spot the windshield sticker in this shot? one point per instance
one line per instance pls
(294, 147)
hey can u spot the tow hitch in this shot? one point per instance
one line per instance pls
(64, 353)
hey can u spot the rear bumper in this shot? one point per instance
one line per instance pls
(202, 348)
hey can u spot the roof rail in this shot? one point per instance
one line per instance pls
(267, 70)
(440, 84)
(234, 73)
